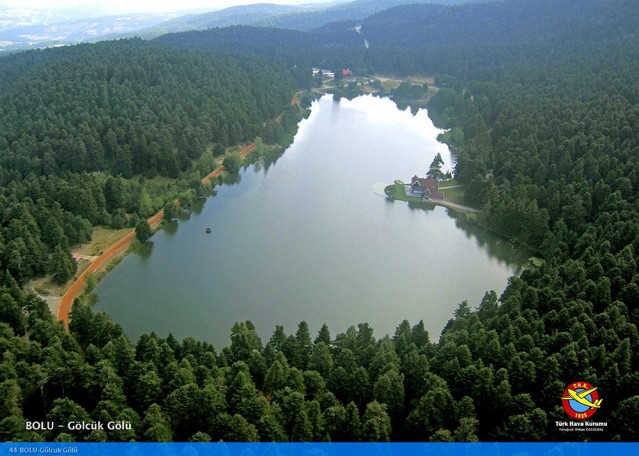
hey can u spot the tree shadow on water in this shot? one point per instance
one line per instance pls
(145, 249)
(170, 228)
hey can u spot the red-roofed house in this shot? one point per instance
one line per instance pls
(346, 72)
(426, 187)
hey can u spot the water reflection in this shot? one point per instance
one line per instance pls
(312, 240)
(421, 205)
(502, 249)
(145, 250)
(198, 205)
(171, 227)
(231, 179)
(262, 160)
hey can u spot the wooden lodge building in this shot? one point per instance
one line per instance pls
(426, 187)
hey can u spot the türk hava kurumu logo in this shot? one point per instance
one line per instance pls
(581, 400)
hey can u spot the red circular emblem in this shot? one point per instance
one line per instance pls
(581, 400)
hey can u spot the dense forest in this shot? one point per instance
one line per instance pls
(296, 17)
(545, 127)
(82, 128)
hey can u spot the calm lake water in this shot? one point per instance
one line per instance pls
(312, 237)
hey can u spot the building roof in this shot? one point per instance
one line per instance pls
(428, 183)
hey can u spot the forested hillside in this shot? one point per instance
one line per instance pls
(327, 48)
(546, 129)
(294, 17)
(77, 123)
(484, 40)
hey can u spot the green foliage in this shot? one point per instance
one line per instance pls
(244, 340)
(62, 266)
(302, 430)
(376, 425)
(435, 169)
(143, 231)
(626, 418)
(549, 125)
(87, 122)
(241, 431)
(171, 210)
(389, 390)
(232, 163)
(300, 347)
(276, 377)
(458, 389)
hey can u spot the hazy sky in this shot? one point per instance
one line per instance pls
(142, 5)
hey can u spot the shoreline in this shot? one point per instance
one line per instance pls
(66, 301)
(440, 202)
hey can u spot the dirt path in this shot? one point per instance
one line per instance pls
(217, 171)
(67, 300)
(455, 205)
(247, 150)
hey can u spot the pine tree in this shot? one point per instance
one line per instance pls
(302, 430)
(323, 335)
(352, 422)
(376, 424)
(435, 170)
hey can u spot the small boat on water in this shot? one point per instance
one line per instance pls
(208, 231)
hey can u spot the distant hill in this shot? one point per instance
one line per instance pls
(29, 31)
(303, 17)
(430, 38)
(256, 14)
(541, 101)
(514, 21)
(459, 39)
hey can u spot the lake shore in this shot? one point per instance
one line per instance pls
(398, 192)
(62, 307)
(287, 227)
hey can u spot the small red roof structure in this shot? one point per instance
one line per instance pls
(427, 187)
(347, 72)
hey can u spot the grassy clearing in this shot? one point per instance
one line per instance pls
(422, 80)
(46, 286)
(389, 84)
(101, 239)
(430, 80)
(396, 191)
(448, 183)
(455, 195)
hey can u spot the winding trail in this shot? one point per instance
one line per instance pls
(67, 300)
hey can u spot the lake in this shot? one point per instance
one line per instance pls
(312, 237)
